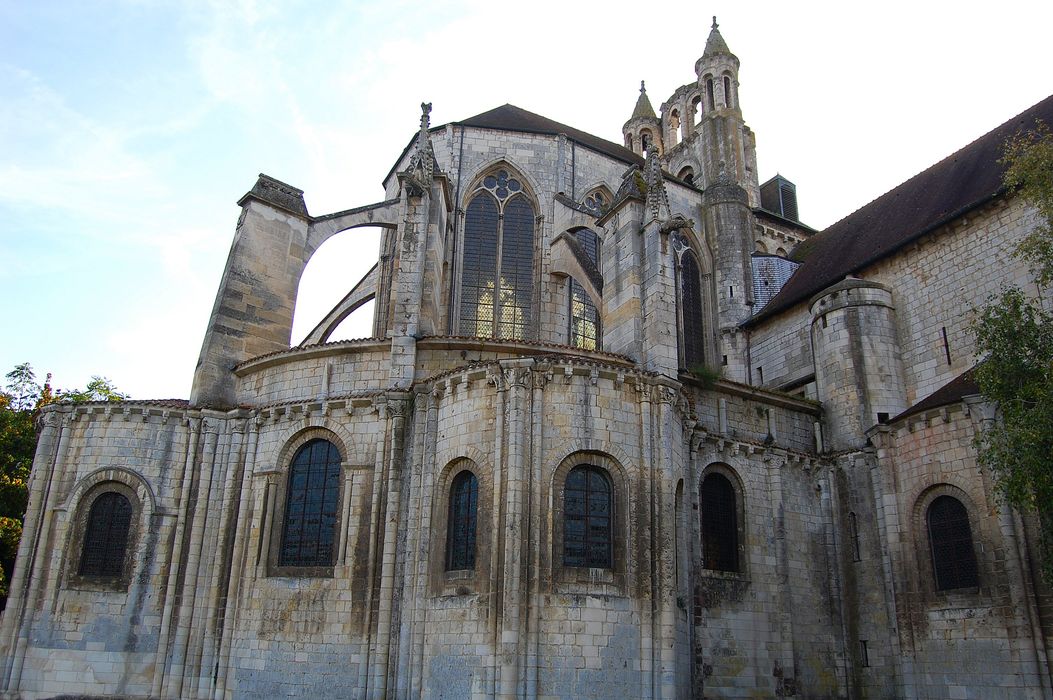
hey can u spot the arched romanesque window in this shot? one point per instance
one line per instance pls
(460, 526)
(951, 540)
(311, 505)
(587, 518)
(692, 313)
(687, 174)
(497, 273)
(710, 99)
(674, 128)
(584, 317)
(727, 92)
(106, 536)
(720, 523)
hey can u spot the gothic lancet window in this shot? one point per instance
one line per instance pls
(106, 536)
(312, 500)
(951, 539)
(584, 317)
(691, 311)
(720, 541)
(460, 527)
(497, 271)
(587, 518)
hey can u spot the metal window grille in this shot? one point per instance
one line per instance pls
(311, 506)
(587, 517)
(460, 533)
(106, 536)
(720, 525)
(691, 310)
(953, 557)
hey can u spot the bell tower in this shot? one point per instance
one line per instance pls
(643, 128)
(727, 149)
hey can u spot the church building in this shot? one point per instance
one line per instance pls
(625, 428)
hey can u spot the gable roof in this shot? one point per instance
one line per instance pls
(511, 118)
(960, 182)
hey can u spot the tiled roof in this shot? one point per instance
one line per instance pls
(511, 118)
(930, 199)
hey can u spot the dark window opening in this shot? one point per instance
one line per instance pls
(587, 518)
(311, 506)
(727, 91)
(106, 536)
(460, 533)
(946, 345)
(709, 94)
(760, 375)
(853, 524)
(720, 525)
(692, 313)
(951, 539)
(864, 655)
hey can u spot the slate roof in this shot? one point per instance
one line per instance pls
(957, 184)
(953, 391)
(511, 118)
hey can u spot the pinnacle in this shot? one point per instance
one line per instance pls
(716, 44)
(643, 105)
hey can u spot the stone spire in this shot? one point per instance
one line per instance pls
(421, 167)
(643, 105)
(657, 198)
(716, 45)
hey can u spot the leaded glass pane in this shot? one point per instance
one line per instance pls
(311, 504)
(479, 266)
(691, 310)
(106, 536)
(584, 319)
(720, 540)
(587, 509)
(953, 558)
(517, 269)
(461, 526)
(590, 242)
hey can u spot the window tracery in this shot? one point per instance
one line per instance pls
(498, 261)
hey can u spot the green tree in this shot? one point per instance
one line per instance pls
(1014, 336)
(20, 404)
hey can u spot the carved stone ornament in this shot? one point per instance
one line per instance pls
(675, 224)
(657, 198)
(496, 378)
(421, 169)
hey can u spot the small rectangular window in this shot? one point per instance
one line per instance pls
(864, 656)
(760, 374)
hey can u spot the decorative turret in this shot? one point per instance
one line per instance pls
(643, 127)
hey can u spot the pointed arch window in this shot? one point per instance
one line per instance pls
(720, 524)
(460, 527)
(692, 313)
(311, 504)
(584, 317)
(106, 536)
(951, 540)
(587, 518)
(497, 271)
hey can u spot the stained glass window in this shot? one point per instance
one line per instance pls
(691, 310)
(720, 525)
(311, 506)
(106, 536)
(497, 271)
(587, 517)
(953, 558)
(460, 533)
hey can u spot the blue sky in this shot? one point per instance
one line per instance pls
(129, 129)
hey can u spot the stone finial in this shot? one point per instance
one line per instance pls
(421, 168)
(715, 25)
(642, 88)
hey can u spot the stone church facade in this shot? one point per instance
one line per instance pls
(625, 428)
